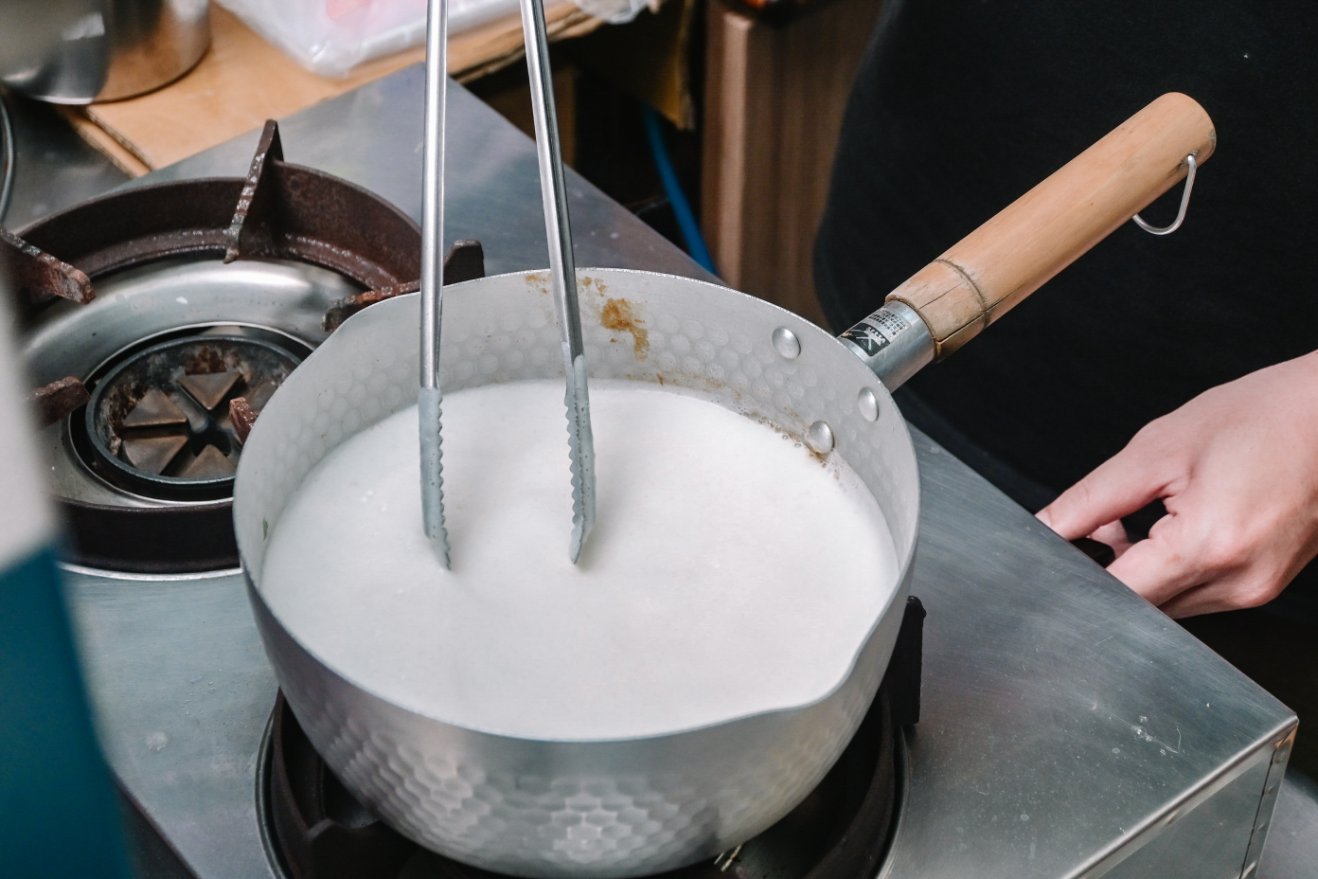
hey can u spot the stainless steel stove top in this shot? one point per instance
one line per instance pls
(1068, 728)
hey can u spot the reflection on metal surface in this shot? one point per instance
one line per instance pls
(819, 436)
(1267, 804)
(79, 51)
(9, 157)
(55, 167)
(786, 343)
(868, 403)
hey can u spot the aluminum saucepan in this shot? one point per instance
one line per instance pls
(645, 805)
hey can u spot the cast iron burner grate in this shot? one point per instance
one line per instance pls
(315, 829)
(167, 442)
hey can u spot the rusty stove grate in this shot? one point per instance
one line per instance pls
(138, 442)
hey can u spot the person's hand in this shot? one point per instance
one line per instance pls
(1237, 470)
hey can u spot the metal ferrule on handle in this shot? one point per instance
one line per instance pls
(893, 341)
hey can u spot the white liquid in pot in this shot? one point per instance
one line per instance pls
(730, 572)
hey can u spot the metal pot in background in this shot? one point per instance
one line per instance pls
(80, 51)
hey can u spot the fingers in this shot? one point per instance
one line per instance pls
(1114, 535)
(1157, 569)
(1118, 487)
(1185, 576)
(1193, 602)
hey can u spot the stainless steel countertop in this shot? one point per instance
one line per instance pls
(55, 167)
(372, 137)
(1064, 719)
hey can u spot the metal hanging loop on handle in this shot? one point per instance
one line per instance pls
(1191, 165)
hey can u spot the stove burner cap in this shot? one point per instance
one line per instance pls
(160, 424)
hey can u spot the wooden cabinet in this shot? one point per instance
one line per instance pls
(774, 98)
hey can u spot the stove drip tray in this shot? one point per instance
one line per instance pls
(314, 829)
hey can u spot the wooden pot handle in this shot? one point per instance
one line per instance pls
(985, 274)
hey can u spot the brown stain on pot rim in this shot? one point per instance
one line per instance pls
(617, 315)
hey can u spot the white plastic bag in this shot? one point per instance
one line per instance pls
(616, 11)
(331, 37)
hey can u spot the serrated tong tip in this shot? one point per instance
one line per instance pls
(429, 404)
(581, 448)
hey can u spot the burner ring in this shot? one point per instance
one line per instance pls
(277, 213)
(159, 423)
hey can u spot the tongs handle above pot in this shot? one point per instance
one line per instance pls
(991, 270)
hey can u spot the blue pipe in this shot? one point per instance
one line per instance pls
(686, 220)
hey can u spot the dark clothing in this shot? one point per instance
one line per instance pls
(960, 106)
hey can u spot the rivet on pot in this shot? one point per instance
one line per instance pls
(786, 343)
(819, 436)
(868, 403)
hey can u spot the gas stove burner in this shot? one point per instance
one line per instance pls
(314, 829)
(169, 422)
(144, 472)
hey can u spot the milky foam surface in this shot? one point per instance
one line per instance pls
(730, 571)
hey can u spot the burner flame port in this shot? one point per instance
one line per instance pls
(159, 424)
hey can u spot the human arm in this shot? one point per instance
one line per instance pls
(1237, 471)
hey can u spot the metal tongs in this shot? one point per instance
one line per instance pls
(563, 279)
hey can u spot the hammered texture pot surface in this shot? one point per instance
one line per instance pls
(575, 808)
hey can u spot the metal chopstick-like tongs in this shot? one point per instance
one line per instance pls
(562, 274)
(430, 397)
(558, 230)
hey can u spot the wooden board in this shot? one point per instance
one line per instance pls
(243, 80)
(774, 98)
